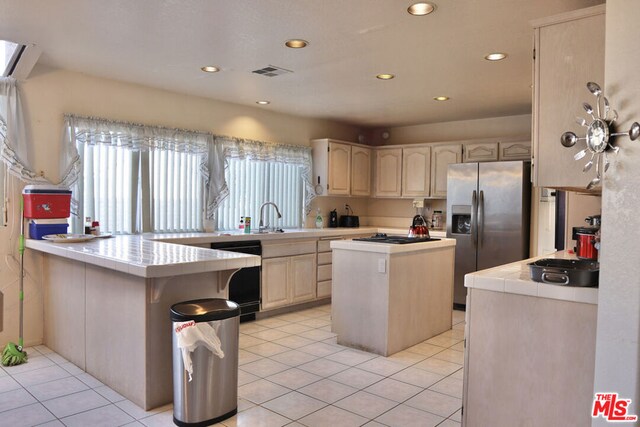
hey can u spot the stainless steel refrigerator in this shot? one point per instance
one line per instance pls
(488, 215)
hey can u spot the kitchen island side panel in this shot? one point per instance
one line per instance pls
(64, 308)
(529, 361)
(420, 296)
(359, 300)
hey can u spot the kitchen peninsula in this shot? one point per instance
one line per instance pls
(388, 297)
(106, 304)
(530, 349)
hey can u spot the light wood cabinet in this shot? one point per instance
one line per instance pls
(341, 168)
(520, 150)
(480, 152)
(360, 171)
(441, 157)
(302, 272)
(416, 171)
(288, 273)
(275, 281)
(568, 53)
(388, 172)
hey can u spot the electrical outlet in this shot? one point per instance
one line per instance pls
(382, 266)
(418, 203)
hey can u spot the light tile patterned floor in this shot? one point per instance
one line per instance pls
(292, 373)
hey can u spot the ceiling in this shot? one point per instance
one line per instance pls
(163, 43)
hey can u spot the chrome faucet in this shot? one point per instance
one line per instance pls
(261, 226)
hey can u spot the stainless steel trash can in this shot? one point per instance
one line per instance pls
(212, 394)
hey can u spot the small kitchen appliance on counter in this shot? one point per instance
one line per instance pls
(587, 238)
(349, 220)
(333, 219)
(419, 227)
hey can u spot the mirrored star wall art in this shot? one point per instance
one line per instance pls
(599, 134)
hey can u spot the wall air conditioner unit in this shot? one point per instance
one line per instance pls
(22, 61)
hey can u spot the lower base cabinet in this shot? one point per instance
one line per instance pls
(288, 280)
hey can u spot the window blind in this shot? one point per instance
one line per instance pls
(253, 182)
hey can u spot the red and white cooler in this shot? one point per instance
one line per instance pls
(46, 201)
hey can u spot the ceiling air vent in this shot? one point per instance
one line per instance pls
(272, 71)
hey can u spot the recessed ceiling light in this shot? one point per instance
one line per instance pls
(263, 102)
(441, 98)
(495, 56)
(421, 8)
(296, 43)
(210, 69)
(385, 76)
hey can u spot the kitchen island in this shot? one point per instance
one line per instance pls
(530, 349)
(106, 305)
(388, 297)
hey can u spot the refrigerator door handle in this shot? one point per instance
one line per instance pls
(474, 218)
(480, 218)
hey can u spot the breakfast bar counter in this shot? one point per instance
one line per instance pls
(106, 304)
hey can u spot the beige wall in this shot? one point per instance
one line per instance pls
(49, 93)
(496, 127)
(617, 346)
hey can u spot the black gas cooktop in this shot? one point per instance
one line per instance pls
(399, 240)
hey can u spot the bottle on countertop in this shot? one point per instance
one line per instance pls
(95, 228)
(241, 226)
(319, 220)
(247, 225)
(87, 225)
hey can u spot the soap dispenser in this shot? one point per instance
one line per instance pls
(319, 221)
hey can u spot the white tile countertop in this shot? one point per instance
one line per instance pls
(515, 278)
(138, 256)
(390, 248)
(164, 255)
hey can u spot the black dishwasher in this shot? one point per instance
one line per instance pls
(244, 287)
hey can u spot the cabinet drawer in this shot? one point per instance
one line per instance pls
(324, 288)
(324, 272)
(324, 245)
(324, 258)
(273, 250)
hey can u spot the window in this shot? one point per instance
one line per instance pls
(134, 178)
(9, 55)
(253, 182)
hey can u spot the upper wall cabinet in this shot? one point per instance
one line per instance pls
(480, 152)
(416, 171)
(514, 150)
(388, 172)
(441, 157)
(341, 168)
(568, 53)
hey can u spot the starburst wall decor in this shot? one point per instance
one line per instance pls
(599, 133)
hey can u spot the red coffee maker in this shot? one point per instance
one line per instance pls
(587, 238)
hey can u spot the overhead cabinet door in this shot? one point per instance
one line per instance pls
(416, 171)
(388, 172)
(339, 168)
(360, 171)
(441, 157)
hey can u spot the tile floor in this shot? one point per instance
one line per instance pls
(292, 373)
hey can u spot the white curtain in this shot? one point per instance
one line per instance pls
(14, 145)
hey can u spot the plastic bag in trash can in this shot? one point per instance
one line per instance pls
(191, 335)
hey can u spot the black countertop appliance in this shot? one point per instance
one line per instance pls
(333, 219)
